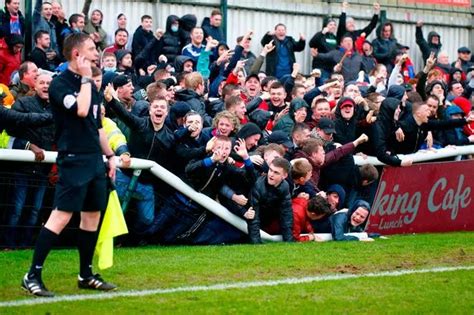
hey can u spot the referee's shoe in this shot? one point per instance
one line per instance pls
(95, 282)
(35, 287)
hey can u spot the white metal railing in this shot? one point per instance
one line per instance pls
(212, 205)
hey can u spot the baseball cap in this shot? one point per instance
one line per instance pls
(327, 125)
(346, 102)
(464, 50)
(120, 81)
(280, 137)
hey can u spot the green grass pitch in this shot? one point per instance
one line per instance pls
(170, 267)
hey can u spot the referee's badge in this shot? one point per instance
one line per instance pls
(69, 100)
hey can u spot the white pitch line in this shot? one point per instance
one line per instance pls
(226, 286)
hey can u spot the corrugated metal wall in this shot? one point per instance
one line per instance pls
(305, 18)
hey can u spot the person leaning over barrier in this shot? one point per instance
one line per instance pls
(82, 185)
(182, 220)
(271, 200)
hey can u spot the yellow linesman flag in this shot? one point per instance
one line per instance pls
(113, 225)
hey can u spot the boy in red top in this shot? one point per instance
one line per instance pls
(304, 212)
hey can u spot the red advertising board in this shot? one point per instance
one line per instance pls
(456, 3)
(432, 197)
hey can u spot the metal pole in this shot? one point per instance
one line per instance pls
(224, 18)
(28, 26)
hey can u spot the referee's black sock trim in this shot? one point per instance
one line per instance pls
(44, 243)
(86, 242)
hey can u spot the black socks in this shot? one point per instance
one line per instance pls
(86, 242)
(46, 240)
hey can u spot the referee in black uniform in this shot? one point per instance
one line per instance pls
(82, 185)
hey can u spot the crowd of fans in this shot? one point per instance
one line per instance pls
(275, 146)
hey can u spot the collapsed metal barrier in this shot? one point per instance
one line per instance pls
(215, 207)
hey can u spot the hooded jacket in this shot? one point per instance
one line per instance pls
(384, 132)
(287, 122)
(172, 43)
(186, 23)
(346, 130)
(179, 62)
(9, 62)
(427, 47)
(454, 136)
(341, 222)
(169, 45)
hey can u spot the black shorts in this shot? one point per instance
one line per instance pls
(82, 184)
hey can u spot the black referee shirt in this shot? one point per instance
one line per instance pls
(74, 134)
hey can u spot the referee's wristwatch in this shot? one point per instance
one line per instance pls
(85, 80)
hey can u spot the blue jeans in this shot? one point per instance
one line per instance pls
(36, 185)
(145, 200)
(180, 221)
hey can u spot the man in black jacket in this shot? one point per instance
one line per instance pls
(38, 54)
(182, 220)
(280, 61)
(347, 24)
(416, 126)
(192, 94)
(39, 139)
(143, 35)
(271, 200)
(150, 139)
(433, 44)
